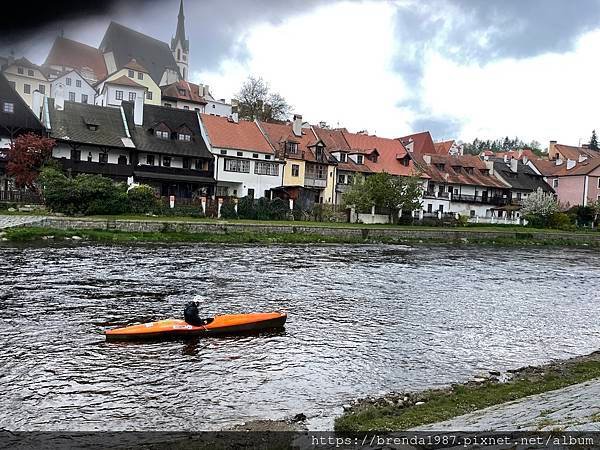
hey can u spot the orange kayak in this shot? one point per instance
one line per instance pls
(225, 324)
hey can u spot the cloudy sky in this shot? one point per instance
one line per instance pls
(459, 68)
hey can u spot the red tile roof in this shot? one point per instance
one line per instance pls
(455, 170)
(335, 141)
(581, 168)
(134, 65)
(280, 133)
(68, 53)
(390, 151)
(545, 167)
(244, 135)
(443, 148)
(183, 90)
(517, 154)
(126, 81)
(572, 152)
(423, 143)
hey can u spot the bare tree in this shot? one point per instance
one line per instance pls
(256, 101)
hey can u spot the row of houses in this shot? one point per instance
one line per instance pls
(126, 66)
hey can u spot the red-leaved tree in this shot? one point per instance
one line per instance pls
(25, 158)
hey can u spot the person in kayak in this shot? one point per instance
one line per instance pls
(192, 316)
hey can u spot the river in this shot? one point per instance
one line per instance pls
(362, 320)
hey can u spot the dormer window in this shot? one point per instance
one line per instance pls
(181, 91)
(131, 73)
(291, 147)
(140, 76)
(439, 166)
(469, 170)
(319, 152)
(30, 72)
(484, 171)
(456, 169)
(8, 107)
(161, 134)
(20, 70)
(359, 159)
(184, 137)
(92, 127)
(343, 157)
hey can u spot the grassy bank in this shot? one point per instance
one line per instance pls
(396, 413)
(522, 239)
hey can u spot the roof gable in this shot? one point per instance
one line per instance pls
(22, 119)
(151, 53)
(68, 53)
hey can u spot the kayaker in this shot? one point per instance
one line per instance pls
(192, 316)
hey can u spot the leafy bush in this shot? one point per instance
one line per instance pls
(280, 209)
(327, 213)
(228, 209)
(246, 208)
(142, 200)
(560, 221)
(263, 209)
(581, 215)
(83, 194)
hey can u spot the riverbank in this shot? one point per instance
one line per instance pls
(152, 230)
(403, 411)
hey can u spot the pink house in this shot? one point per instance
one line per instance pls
(576, 183)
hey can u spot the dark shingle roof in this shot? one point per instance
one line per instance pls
(151, 53)
(524, 178)
(22, 119)
(174, 119)
(72, 124)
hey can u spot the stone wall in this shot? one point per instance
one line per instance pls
(339, 231)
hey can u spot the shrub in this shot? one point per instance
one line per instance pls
(280, 209)
(246, 208)
(581, 215)
(560, 221)
(142, 200)
(228, 209)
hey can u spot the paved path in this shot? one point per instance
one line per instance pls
(15, 221)
(574, 408)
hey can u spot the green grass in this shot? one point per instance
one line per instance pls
(442, 405)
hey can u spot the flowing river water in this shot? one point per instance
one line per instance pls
(362, 320)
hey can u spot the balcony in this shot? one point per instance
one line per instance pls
(111, 170)
(466, 198)
(434, 194)
(315, 182)
(174, 174)
(342, 187)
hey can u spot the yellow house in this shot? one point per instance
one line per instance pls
(26, 78)
(140, 75)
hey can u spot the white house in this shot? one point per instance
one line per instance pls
(114, 92)
(245, 162)
(73, 87)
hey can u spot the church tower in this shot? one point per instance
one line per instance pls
(180, 46)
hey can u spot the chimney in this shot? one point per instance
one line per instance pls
(138, 110)
(514, 164)
(297, 125)
(427, 159)
(552, 150)
(59, 96)
(570, 164)
(206, 91)
(490, 166)
(37, 102)
(582, 158)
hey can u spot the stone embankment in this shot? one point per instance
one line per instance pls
(371, 233)
(17, 221)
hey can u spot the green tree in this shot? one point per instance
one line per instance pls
(256, 101)
(594, 141)
(383, 190)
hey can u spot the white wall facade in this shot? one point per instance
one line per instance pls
(182, 104)
(72, 85)
(108, 94)
(217, 108)
(63, 150)
(238, 184)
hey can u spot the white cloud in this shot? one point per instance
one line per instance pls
(333, 64)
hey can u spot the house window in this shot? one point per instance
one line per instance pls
(103, 158)
(251, 193)
(441, 208)
(184, 137)
(162, 134)
(321, 172)
(469, 170)
(76, 155)
(359, 159)
(598, 183)
(187, 164)
(319, 152)
(518, 196)
(439, 166)
(42, 89)
(166, 161)
(119, 95)
(267, 156)
(149, 95)
(122, 160)
(223, 152)
(343, 157)
(30, 72)
(168, 105)
(429, 208)
(295, 170)
(132, 96)
(68, 81)
(77, 83)
(255, 155)
(240, 153)
(131, 73)
(199, 164)
(341, 179)
(150, 160)
(237, 165)
(90, 157)
(291, 147)
(181, 91)
(178, 54)
(27, 88)
(9, 107)
(84, 98)
(140, 76)
(186, 107)
(472, 213)
(20, 70)
(265, 168)
(71, 96)
(555, 183)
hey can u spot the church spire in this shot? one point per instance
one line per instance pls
(180, 45)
